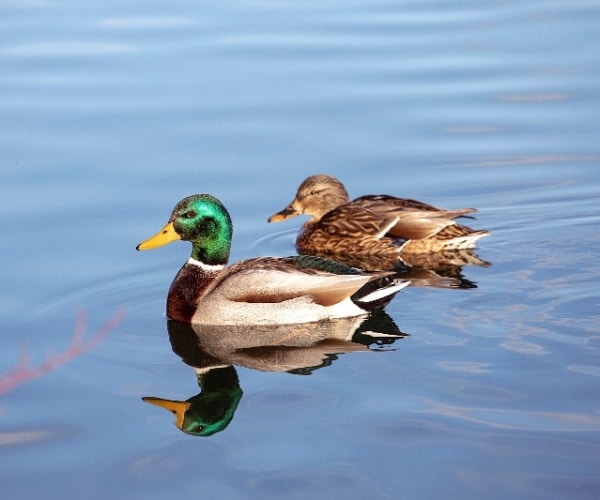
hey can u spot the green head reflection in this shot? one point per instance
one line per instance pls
(212, 410)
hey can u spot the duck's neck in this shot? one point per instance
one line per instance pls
(188, 287)
(212, 243)
(333, 199)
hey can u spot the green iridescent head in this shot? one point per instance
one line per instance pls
(204, 221)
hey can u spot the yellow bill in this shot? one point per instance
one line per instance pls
(177, 408)
(166, 235)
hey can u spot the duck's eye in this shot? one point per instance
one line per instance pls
(190, 214)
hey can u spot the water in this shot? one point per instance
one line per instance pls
(112, 112)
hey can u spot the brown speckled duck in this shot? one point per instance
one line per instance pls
(373, 225)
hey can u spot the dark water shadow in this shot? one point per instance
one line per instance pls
(442, 269)
(214, 352)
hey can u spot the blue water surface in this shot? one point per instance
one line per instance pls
(111, 112)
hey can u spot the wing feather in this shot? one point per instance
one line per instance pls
(277, 285)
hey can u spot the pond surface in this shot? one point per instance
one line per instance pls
(111, 112)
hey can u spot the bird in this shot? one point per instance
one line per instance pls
(260, 290)
(381, 226)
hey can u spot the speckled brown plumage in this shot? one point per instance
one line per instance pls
(381, 226)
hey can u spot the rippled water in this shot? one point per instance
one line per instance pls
(110, 113)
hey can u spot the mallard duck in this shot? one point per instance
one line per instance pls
(297, 289)
(372, 225)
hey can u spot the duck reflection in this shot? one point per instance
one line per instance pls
(212, 409)
(442, 269)
(212, 351)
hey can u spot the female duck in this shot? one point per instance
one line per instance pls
(378, 225)
(272, 290)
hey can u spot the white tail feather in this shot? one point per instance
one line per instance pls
(384, 292)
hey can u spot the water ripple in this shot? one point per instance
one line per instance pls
(67, 49)
(146, 22)
(518, 419)
(142, 290)
(276, 242)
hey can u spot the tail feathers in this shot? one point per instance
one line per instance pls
(459, 237)
(377, 294)
(465, 242)
(460, 212)
(380, 293)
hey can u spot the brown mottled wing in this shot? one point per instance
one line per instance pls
(385, 204)
(355, 221)
(413, 225)
(416, 219)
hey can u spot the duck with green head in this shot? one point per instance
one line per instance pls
(269, 290)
